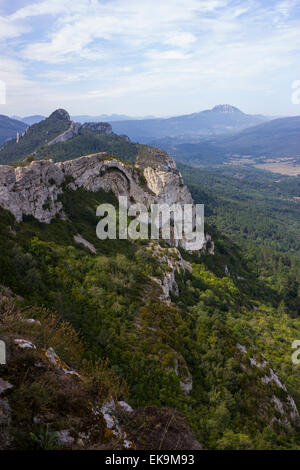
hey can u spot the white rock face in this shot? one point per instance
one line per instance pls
(36, 189)
(167, 186)
(172, 262)
(64, 437)
(68, 134)
(51, 356)
(287, 408)
(24, 344)
(273, 378)
(109, 411)
(93, 172)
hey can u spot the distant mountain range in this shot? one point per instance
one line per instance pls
(108, 118)
(30, 120)
(205, 138)
(279, 137)
(9, 128)
(276, 138)
(222, 119)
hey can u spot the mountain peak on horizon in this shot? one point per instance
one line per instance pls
(225, 108)
(60, 114)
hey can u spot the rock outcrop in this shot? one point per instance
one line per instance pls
(171, 262)
(67, 135)
(75, 127)
(100, 127)
(36, 189)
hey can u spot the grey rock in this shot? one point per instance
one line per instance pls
(67, 135)
(61, 114)
(100, 127)
(64, 438)
(4, 385)
(35, 189)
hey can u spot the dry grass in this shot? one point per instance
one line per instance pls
(282, 168)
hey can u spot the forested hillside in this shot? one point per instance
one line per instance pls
(9, 128)
(59, 138)
(207, 335)
(222, 319)
(37, 135)
(249, 204)
(260, 212)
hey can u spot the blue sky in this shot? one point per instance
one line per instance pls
(140, 57)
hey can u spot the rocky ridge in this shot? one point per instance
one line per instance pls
(75, 127)
(36, 189)
(87, 421)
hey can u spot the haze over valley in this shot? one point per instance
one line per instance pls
(149, 229)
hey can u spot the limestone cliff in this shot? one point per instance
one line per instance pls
(36, 189)
(75, 127)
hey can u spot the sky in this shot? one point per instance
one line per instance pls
(149, 57)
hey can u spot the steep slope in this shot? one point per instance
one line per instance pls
(222, 119)
(78, 409)
(59, 138)
(277, 138)
(89, 140)
(9, 128)
(184, 330)
(280, 137)
(35, 136)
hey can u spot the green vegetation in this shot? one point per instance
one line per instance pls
(35, 137)
(88, 142)
(248, 204)
(43, 402)
(34, 144)
(111, 300)
(9, 128)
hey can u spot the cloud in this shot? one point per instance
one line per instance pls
(181, 39)
(49, 7)
(112, 48)
(167, 55)
(10, 30)
(133, 24)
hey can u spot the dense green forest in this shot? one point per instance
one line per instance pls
(87, 142)
(249, 204)
(258, 211)
(34, 137)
